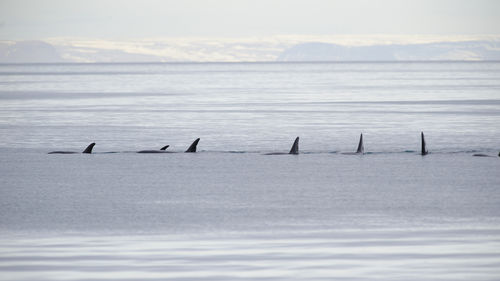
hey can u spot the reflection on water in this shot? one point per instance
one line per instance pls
(399, 254)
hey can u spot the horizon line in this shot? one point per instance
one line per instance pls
(256, 62)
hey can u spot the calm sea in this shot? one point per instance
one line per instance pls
(230, 212)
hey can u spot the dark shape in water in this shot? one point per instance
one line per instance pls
(481, 155)
(192, 148)
(295, 147)
(87, 150)
(360, 150)
(423, 150)
(162, 150)
(484, 155)
(361, 147)
(294, 150)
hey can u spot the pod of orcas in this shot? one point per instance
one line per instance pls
(294, 150)
(88, 150)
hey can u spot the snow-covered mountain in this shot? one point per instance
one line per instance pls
(278, 48)
(28, 52)
(468, 50)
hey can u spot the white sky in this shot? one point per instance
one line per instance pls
(133, 19)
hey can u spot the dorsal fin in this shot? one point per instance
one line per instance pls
(165, 147)
(192, 148)
(295, 147)
(89, 148)
(361, 148)
(424, 150)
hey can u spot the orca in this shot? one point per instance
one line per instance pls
(423, 150)
(87, 150)
(360, 150)
(294, 150)
(161, 150)
(484, 155)
(192, 147)
(295, 147)
(361, 147)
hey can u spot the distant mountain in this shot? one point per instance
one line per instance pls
(43, 52)
(146, 50)
(242, 50)
(469, 50)
(28, 52)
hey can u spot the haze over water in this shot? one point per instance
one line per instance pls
(229, 212)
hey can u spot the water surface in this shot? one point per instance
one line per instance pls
(229, 212)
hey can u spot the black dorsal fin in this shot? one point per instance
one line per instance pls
(165, 147)
(295, 147)
(424, 149)
(89, 148)
(192, 148)
(361, 147)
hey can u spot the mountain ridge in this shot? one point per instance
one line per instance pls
(102, 51)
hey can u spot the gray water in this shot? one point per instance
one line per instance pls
(229, 212)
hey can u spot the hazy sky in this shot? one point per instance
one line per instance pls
(127, 19)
